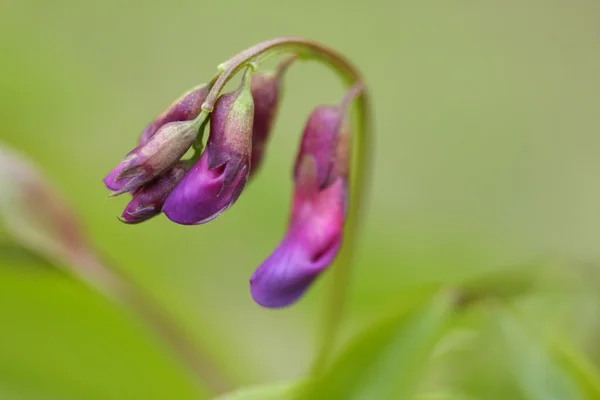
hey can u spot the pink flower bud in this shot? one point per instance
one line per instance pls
(316, 225)
(151, 159)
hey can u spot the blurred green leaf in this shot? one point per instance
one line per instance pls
(15, 255)
(455, 340)
(60, 340)
(581, 370)
(514, 281)
(536, 372)
(279, 391)
(387, 360)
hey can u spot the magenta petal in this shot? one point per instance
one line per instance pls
(201, 196)
(110, 181)
(124, 184)
(310, 246)
(288, 272)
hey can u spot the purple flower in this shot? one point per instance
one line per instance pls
(316, 225)
(162, 144)
(216, 181)
(309, 247)
(148, 200)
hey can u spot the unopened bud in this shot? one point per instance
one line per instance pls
(151, 159)
(319, 209)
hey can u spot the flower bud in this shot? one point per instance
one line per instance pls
(151, 159)
(148, 200)
(319, 207)
(185, 108)
(311, 243)
(173, 131)
(318, 213)
(215, 182)
(265, 92)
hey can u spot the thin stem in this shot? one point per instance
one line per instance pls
(304, 48)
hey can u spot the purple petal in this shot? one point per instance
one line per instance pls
(110, 181)
(123, 178)
(284, 277)
(310, 246)
(201, 195)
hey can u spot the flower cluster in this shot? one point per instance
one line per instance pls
(198, 189)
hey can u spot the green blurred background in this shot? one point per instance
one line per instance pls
(485, 156)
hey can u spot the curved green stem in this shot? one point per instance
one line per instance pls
(302, 47)
(308, 49)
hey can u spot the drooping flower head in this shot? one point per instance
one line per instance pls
(196, 190)
(316, 224)
(216, 181)
(162, 144)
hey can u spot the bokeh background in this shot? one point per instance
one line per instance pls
(485, 156)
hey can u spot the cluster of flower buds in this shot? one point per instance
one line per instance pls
(154, 168)
(196, 190)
